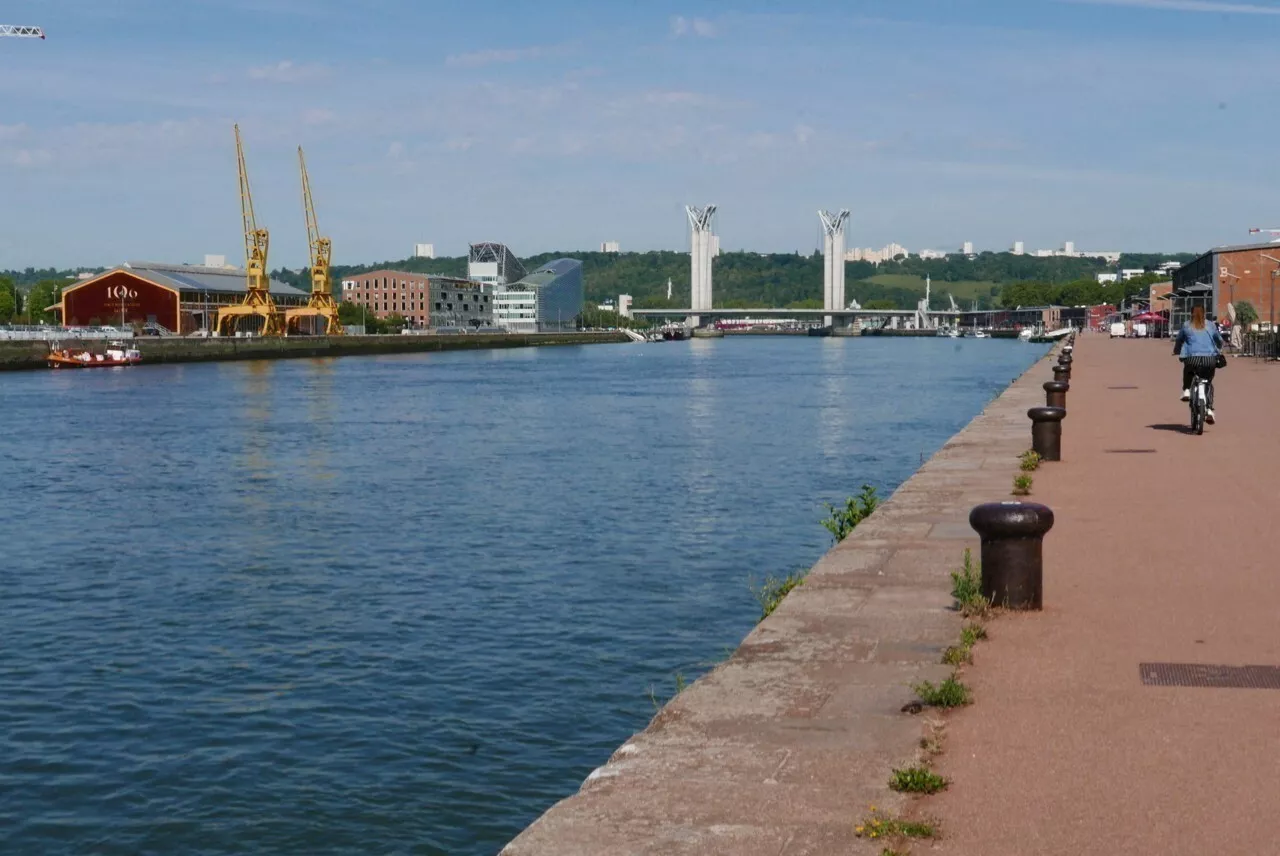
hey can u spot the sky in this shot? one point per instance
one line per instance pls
(1137, 125)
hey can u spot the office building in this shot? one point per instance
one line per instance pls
(967, 248)
(424, 251)
(1018, 248)
(557, 290)
(610, 247)
(422, 300)
(493, 264)
(624, 305)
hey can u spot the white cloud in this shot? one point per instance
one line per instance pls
(13, 132)
(319, 116)
(676, 99)
(30, 158)
(1210, 6)
(287, 71)
(803, 134)
(395, 151)
(701, 27)
(495, 56)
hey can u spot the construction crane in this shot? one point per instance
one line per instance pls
(1273, 232)
(321, 303)
(18, 32)
(257, 298)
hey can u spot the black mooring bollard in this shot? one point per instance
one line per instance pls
(1062, 374)
(1046, 432)
(1055, 393)
(1012, 534)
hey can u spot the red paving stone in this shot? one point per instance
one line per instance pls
(1160, 556)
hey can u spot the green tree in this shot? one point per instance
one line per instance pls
(880, 304)
(9, 302)
(1245, 313)
(351, 314)
(43, 294)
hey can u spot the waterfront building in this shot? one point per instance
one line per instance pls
(424, 300)
(178, 298)
(548, 299)
(493, 264)
(1232, 273)
(624, 305)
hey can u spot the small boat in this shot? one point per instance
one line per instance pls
(980, 334)
(819, 331)
(116, 354)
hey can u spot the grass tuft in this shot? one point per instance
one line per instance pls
(771, 592)
(966, 588)
(879, 825)
(917, 780)
(1029, 461)
(1022, 485)
(949, 693)
(841, 522)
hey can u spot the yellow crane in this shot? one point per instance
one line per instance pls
(321, 303)
(257, 299)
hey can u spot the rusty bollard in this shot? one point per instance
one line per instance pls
(1062, 374)
(1055, 393)
(1046, 432)
(1012, 534)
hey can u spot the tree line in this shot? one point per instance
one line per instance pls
(29, 307)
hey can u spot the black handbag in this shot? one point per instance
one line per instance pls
(1221, 361)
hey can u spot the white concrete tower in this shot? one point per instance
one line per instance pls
(699, 259)
(832, 261)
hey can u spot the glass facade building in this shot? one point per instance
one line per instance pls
(559, 293)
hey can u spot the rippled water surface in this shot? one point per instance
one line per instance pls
(404, 604)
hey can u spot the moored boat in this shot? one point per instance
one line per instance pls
(116, 354)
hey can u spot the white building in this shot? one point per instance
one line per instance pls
(1129, 273)
(424, 251)
(1018, 248)
(215, 261)
(887, 253)
(932, 254)
(1069, 248)
(610, 247)
(516, 310)
(967, 248)
(624, 305)
(1105, 278)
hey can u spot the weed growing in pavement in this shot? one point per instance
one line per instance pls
(917, 780)
(966, 588)
(949, 693)
(880, 825)
(841, 522)
(1022, 485)
(1029, 461)
(771, 592)
(682, 683)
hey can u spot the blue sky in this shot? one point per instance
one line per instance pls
(1119, 124)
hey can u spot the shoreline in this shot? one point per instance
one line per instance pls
(31, 355)
(782, 747)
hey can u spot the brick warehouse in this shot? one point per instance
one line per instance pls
(425, 300)
(1237, 272)
(180, 298)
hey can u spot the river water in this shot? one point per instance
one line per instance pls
(404, 604)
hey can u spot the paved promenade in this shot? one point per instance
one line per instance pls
(1164, 552)
(780, 750)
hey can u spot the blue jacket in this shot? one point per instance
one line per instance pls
(1198, 343)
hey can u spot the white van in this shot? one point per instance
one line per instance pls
(1117, 330)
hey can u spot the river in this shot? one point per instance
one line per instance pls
(403, 604)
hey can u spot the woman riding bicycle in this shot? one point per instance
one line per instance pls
(1200, 344)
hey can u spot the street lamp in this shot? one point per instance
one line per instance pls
(1272, 300)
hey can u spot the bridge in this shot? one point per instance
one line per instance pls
(825, 317)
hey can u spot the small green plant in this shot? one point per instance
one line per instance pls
(966, 588)
(972, 634)
(841, 522)
(1029, 461)
(1021, 485)
(957, 655)
(949, 693)
(773, 590)
(917, 780)
(880, 825)
(681, 683)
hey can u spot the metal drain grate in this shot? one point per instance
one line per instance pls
(1128, 451)
(1203, 675)
(1122, 387)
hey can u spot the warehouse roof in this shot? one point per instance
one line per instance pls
(201, 278)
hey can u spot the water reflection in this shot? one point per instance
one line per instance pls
(834, 410)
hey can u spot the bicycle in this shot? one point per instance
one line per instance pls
(1199, 402)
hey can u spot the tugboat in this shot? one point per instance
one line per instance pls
(117, 354)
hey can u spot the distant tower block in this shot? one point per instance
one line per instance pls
(700, 252)
(832, 261)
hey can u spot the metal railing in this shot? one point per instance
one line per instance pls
(48, 333)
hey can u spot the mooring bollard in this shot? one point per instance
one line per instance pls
(1012, 535)
(1062, 374)
(1055, 393)
(1046, 432)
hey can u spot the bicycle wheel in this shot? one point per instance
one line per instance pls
(1198, 408)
